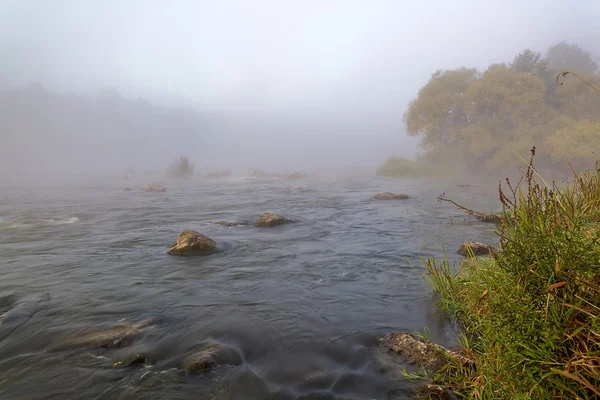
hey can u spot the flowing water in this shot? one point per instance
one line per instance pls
(299, 308)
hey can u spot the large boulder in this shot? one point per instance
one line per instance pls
(202, 360)
(479, 249)
(218, 174)
(269, 219)
(192, 243)
(390, 196)
(154, 188)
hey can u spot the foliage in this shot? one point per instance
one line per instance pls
(484, 118)
(534, 307)
(405, 168)
(527, 62)
(182, 167)
(563, 56)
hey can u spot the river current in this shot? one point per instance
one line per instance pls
(299, 307)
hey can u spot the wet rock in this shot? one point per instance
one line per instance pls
(269, 219)
(114, 337)
(296, 175)
(229, 224)
(218, 174)
(257, 173)
(479, 249)
(435, 392)
(127, 189)
(153, 188)
(132, 360)
(418, 351)
(192, 243)
(202, 360)
(390, 196)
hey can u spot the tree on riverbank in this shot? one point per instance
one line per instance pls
(483, 118)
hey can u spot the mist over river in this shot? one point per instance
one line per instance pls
(299, 308)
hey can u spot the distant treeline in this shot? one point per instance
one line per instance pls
(46, 132)
(480, 119)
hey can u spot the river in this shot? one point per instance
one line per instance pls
(299, 307)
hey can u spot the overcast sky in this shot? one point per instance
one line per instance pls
(359, 59)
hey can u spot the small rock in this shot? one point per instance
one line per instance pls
(479, 249)
(434, 392)
(115, 337)
(127, 189)
(390, 196)
(229, 224)
(296, 175)
(132, 361)
(257, 173)
(193, 243)
(269, 219)
(153, 188)
(202, 360)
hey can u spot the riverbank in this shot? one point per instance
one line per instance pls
(530, 313)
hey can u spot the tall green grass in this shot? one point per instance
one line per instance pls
(532, 310)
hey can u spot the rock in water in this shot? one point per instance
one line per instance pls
(413, 350)
(202, 360)
(257, 173)
(479, 249)
(117, 336)
(229, 224)
(153, 188)
(192, 243)
(390, 196)
(269, 219)
(296, 175)
(127, 189)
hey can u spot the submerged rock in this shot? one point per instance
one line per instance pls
(202, 360)
(229, 224)
(390, 196)
(153, 188)
(132, 360)
(127, 189)
(269, 219)
(192, 243)
(218, 174)
(479, 249)
(114, 337)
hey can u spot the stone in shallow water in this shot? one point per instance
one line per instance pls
(229, 224)
(390, 196)
(192, 243)
(153, 188)
(269, 219)
(202, 360)
(479, 249)
(114, 337)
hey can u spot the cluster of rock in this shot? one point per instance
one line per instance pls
(203, 358)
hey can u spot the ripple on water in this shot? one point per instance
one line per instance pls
(298, 308)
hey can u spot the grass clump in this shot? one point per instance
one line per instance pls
(532, 310)
(398, 167)
(182, 168)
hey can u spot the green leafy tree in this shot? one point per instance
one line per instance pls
(527, 62)
(438, 114)
(569, 57)
(578, 144)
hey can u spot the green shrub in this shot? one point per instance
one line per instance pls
(404, 168)
(182, 167)
(534, 307)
